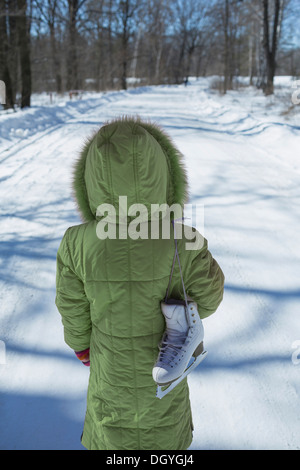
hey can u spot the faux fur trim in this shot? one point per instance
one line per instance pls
(178, 176)
(79, 187)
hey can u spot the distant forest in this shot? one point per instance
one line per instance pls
(71, 45)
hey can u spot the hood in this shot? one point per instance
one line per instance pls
(132, 159)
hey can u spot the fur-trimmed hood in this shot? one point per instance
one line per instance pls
(128, 157)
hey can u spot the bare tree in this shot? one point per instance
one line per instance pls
(271, 40)
(74, 7)
(48, 14)
(188, 21)
(232, 27)
(13, 45)
(154, 20)
(226, 46)
(158, 16)
(71, 61)
(5, 74)
(127, 14)
(23, 26)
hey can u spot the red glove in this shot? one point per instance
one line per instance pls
(84, 356)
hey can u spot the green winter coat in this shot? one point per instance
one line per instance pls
(109, 289)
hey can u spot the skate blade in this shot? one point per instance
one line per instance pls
(162, 390)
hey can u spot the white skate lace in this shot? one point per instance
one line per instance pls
(169, 350)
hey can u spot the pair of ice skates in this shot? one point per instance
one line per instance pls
(181, 348)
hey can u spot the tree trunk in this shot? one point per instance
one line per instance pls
(226, 45)
(157, 63)
(135, 52)
(24, 50)
(5, 75)
(125, 39)
(53, 43)
(72, 67)
(111, 65)
(55, 60)
(13, 46)
(270, 47)
(179, 71)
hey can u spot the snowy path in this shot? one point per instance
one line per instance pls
(244, 167)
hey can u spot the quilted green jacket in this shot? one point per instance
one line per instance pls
(109, 287)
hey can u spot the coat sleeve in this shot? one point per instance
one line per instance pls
(71, 301)
(204, 281)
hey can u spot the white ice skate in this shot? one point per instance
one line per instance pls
(181, 348)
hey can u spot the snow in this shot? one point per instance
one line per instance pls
(242, 155)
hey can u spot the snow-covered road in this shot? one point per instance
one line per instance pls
(243, 160)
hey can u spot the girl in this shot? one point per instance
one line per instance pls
(109, 288)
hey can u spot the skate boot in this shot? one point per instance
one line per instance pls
(181, 348)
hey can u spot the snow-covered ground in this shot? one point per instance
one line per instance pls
(242, 154)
